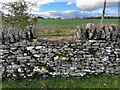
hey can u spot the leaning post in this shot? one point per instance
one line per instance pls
(103, 13)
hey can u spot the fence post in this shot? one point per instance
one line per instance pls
(103, 13)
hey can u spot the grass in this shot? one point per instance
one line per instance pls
(92, 81)
(65, 27)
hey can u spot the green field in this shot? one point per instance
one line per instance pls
(65, 27)
(100, 81)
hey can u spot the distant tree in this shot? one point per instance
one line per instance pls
(40, 17)
(19, 14)
(77, 17)
(58, 18)
(48, 18)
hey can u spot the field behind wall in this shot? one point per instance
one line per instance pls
(66, 27)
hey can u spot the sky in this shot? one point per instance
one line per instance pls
(72, 8)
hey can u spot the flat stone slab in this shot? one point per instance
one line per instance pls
(97, 41)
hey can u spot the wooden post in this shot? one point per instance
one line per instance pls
(103, 13)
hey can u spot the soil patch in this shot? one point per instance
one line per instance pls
(57, 37)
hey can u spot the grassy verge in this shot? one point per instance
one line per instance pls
(100, 81)
(65, 27)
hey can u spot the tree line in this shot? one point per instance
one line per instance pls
(99, 17)
(106, 17)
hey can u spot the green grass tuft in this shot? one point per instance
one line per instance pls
(100, 81)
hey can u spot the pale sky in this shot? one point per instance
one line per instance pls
(72, 8)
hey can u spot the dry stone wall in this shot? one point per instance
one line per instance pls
(9, 35)
(54, 58)
(90, 32)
